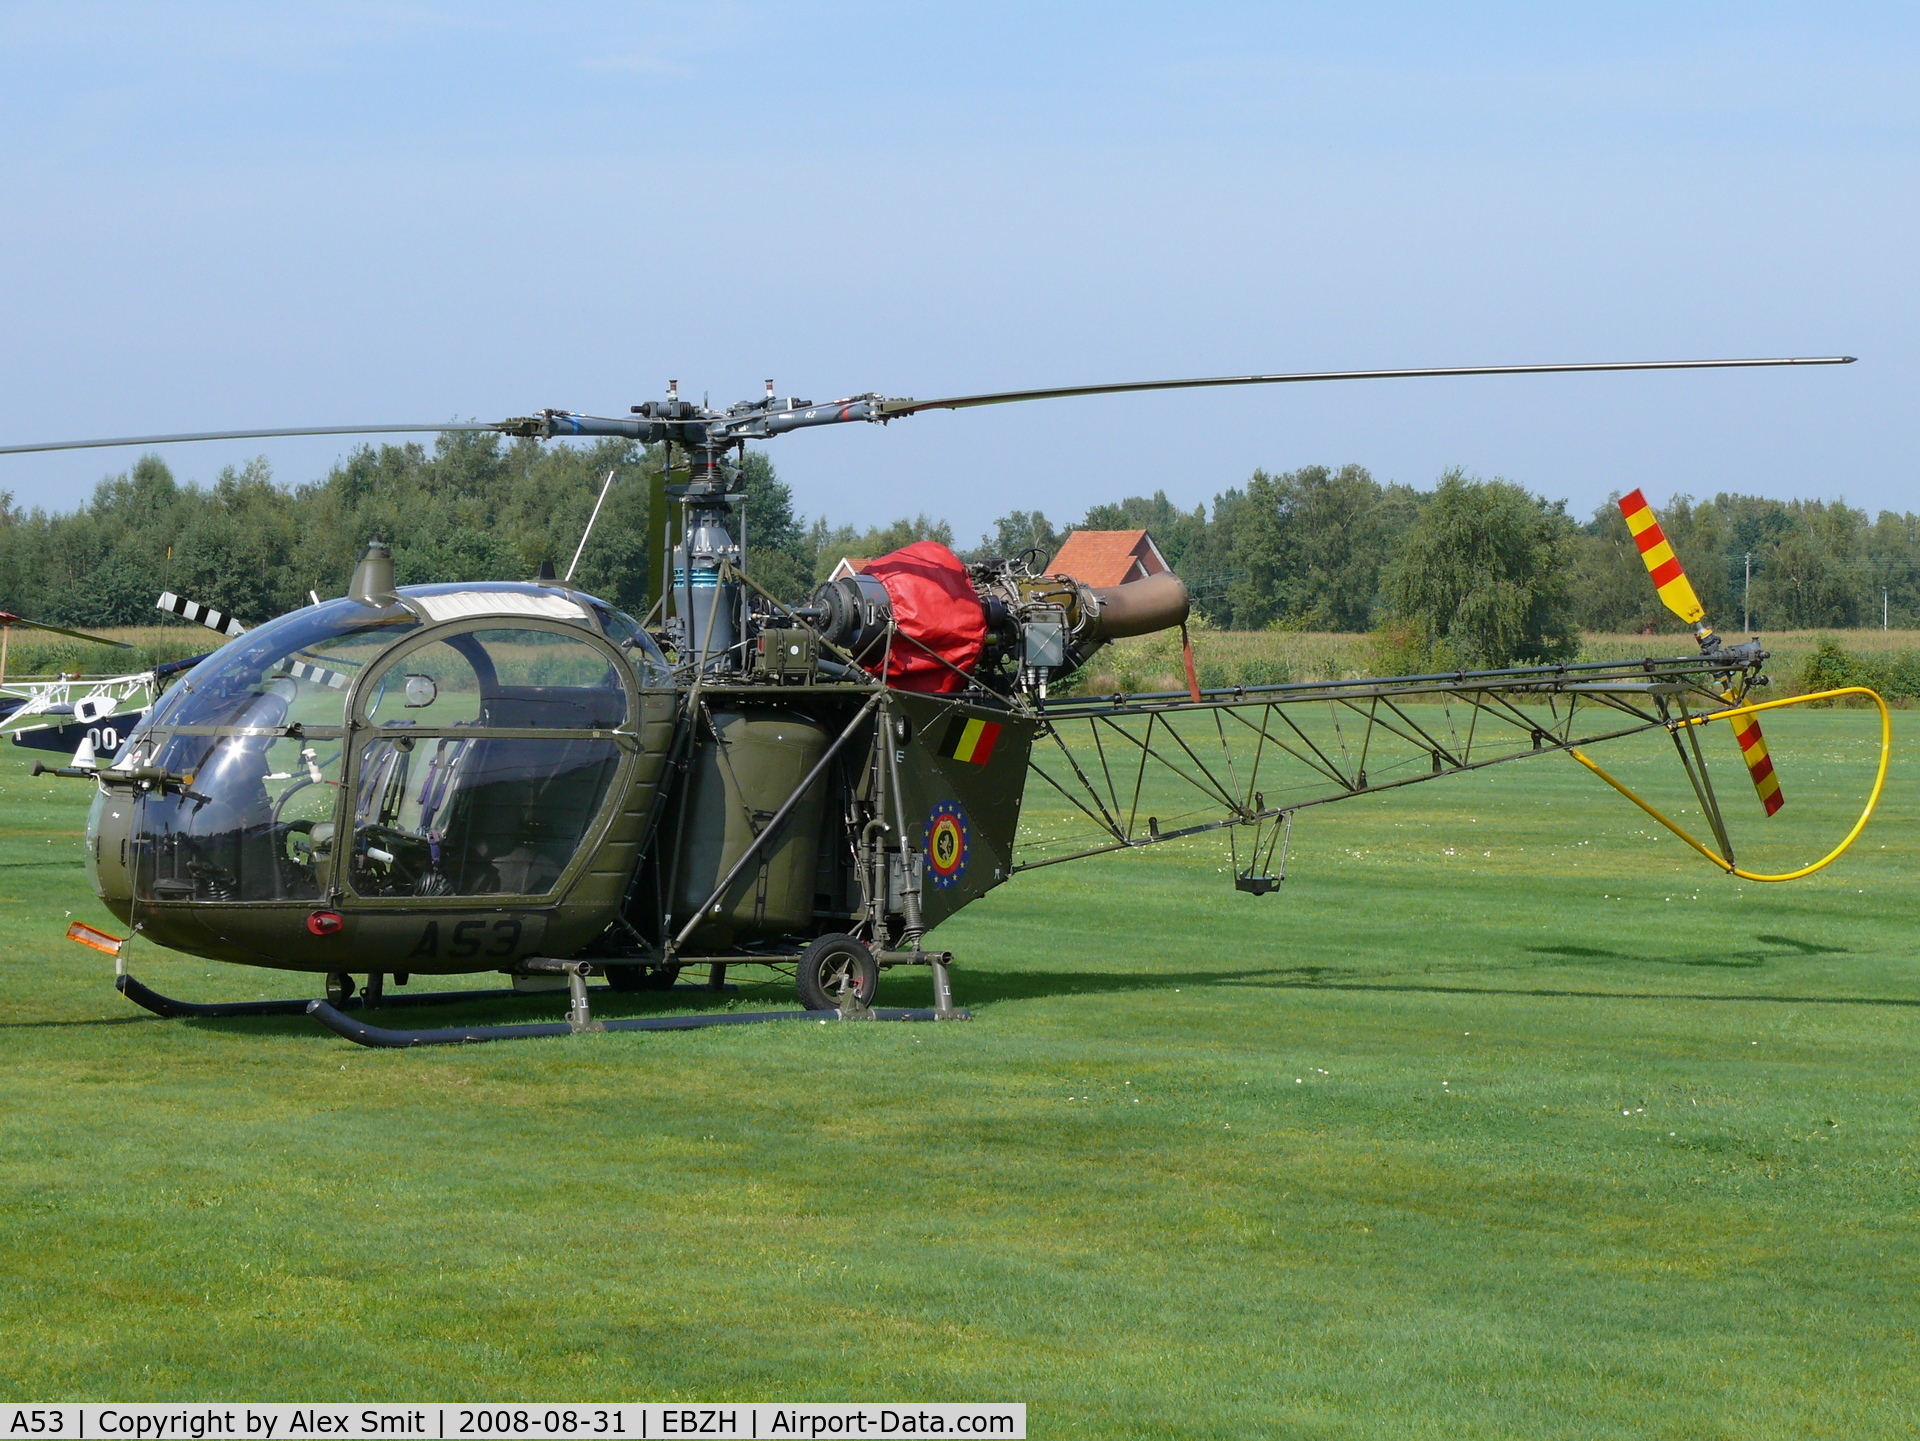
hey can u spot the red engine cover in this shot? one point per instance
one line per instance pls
(937, 613)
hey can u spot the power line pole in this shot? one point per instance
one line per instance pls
(1883, 607)
(1746, 598)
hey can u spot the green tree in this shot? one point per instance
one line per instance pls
(830, 543)
(1311, 545)
(1483, 579)
(1611, 590)
(1814, 576)
(1175, 531)
(1015, 532)
(780, 555)
(1207, 563)
(1893, 560)
(480, 508)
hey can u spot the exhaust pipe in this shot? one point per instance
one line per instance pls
(1139, 607)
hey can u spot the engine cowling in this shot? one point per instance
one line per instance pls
(997, 623)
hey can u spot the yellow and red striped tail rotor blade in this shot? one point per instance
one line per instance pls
(1753, 749)
(1662, 564)
(1677, 593)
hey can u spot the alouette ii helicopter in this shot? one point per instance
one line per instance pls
(516, 777)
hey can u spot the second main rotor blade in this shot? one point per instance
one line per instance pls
(9, 620)
(1002, 397)
(238, 435)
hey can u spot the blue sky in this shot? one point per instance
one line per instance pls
(220, 216)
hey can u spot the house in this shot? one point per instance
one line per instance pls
(849, 565)
(1108, 557)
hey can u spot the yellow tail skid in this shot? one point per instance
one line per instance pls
(1733, 714)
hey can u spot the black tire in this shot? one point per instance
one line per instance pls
(339, 987)
(631, 980)
(831, 966)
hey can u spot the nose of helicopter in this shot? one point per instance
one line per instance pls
(109, 826)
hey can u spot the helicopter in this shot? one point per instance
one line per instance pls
(516, 777)
(42, 697)
(89, 715)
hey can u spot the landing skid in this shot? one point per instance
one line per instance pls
(174, 1010)
(579, 1017)
(380, 1036)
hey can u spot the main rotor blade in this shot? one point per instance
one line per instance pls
(236, 435)
(1002, 397)
(9, 619)
(550, 423)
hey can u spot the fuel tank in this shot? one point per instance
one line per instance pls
(743, 772)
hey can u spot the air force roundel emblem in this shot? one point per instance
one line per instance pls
(947, 843)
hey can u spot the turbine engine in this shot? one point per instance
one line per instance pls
(932, 622)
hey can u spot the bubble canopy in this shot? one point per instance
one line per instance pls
(298, 669)
(483, 716)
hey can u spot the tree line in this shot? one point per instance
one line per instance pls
(1470, 572)
(1325, 549)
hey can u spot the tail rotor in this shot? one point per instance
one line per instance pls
(1678, 595)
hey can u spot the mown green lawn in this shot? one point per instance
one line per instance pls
(1267, 657)
(1502, 1119)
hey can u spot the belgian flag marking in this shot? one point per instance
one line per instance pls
(969, 740)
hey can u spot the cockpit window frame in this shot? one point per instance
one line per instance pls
(409, 631)
(360, 730)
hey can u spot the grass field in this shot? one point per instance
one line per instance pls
(1502, 1119)
(1268, 657)
(1260, 657)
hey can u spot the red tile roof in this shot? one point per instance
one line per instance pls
(1108, 557)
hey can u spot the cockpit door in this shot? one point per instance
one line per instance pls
(485, 760)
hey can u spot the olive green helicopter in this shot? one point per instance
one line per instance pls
(516, 777)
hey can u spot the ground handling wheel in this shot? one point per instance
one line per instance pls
(629, 980)
(832, 966)
(339, 987)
